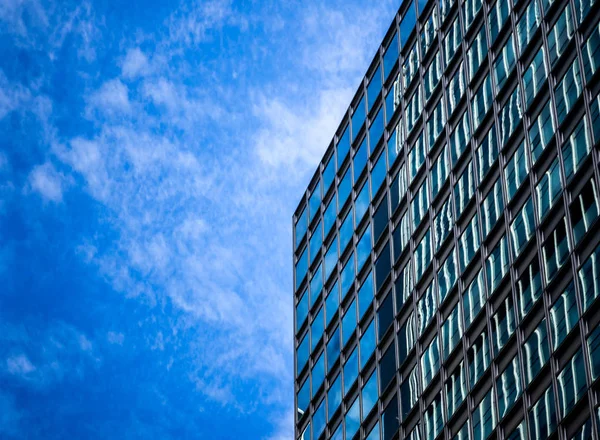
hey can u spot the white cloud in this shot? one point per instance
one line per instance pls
(191, 25)
(19, 365)
(48, 182)
(115, 338)
(135, 64)
(12, 96)
(111, 98)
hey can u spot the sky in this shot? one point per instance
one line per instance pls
(152, 154)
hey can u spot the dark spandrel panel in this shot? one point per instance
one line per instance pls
(383, 267)
(387, 367)
(542, 415)
(389, 419)
(385, 315)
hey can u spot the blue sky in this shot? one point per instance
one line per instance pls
(151, 157)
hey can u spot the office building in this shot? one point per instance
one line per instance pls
(447, 249)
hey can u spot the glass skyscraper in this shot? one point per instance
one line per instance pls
(447, 249)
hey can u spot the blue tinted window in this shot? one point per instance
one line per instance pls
(331, 258)
(301, 226)
(349, 322)
(391, 56)
(358, 117)
(360, 159)
(315, 201)
(378, 173)
(334, 396)
(365, 295)
(301, 268)
(302, 310)
(329, 216)
(316, 329)
(362, 202)
(376, 129)
(374, 87)
(367, 344)
(348, 274)
(407, 24)
(343, 147)
(363, 248)
(332, 303)
(345, 187)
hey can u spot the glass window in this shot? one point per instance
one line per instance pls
(352, 419)
(503, 325)
(416, 157)
(589, 279)
(380, 219)
(358, 117)
(385, 316)
(591, 52)
(315, 201)
(584, 210)
(318, 374)
(435, 124)
(556, 250)
(367, 344)
(464, 189)
(401, 235)
(447, 276)
(329, 216)
(542, 416)
(505, 62)
(563, 316)
(456, 89)
(469, 243)
(510, 116)
(316, 329)
(407, 24)
(392, 100)
(440, 170)
(345, 187)
(430, 362)
(334, 396)
(576, 148)
(301, 268)
(301, 226)
(414, 106)
(304, 396)
(516, 170)
(328, 174)
(497, 265)
(316, 240)
(571, 383)
(567, 91)
(428, 32)
(463, 433)
(541, 132)
(398, 188)
(432, 76)
(333, 349)
(482, 101)
(595, 115)
(331, 258)
(456, 388)
(420, 204)
(410, 67)
(422, 256)
(593, 344)
(459, 139)
(426, 308)
(477, 52)
(360, 159)
(433, 419)
(387, 367)
(509, 387)
(470, 10)
(343, 146)
(332, 303)
(529, 288)
(528, 24)
(522, 228)
(374, 88)
(346, 231)
(474, 298)
(585, 432)
(406, 338)
(493, 205)
(534, 76)
(487, 153)
(478, 358)
(378, 173)
(350, 371)
(302, 310)
(349, 322)
(560, 35)
(376, 129)
(348, 274)
(484, 417)
(363, 248)
(389, 419)
(442, 224)
(390, 57)
(365, 295)
(369, 394)
(403, 286)
(452, 40)
(497, 18)
(582, 7)
(409, 393)
(451, 332)
(535, 352)
(520, 432)
(548, 189)
(383, 266)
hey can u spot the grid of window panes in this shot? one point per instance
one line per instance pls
(447, 251)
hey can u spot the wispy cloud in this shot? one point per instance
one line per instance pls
(48, 182)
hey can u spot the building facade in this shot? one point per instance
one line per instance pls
(447, 249)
